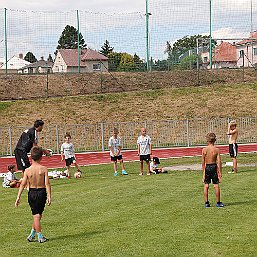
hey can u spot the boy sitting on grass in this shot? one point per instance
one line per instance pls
(10, 179)
(211, 166)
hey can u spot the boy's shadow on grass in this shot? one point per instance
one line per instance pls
(72, 236)
(240, 203)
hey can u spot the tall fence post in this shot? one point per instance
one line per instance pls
(188, 141)
(57, 138)
(102, 135)
(10, 140)
(5, 39)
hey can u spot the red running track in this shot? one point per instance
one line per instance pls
(94, 158)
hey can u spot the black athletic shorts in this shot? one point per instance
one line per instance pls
(233, 150)
(69, 161)
(146, 158)
(211, 174)
(37, 200)
(22, 159)
(115, 158)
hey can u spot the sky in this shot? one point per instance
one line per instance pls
(122, 23)
(106, 6)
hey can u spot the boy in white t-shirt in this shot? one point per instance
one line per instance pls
(144, 148)
(115, 152)
(10, 179)
(68, 153)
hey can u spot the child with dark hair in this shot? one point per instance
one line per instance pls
(36, 176)
(10, 179)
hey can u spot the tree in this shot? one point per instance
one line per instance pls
(69, 39)
(30, 57)
(114, 60)
(190, 62)
(106, 48)
(183, 45)
(50, 58)
(126, 62)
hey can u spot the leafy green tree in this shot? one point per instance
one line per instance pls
(30, 57)
(69, 39)
(189, 62)
(183, 45)
(114, 60)
(126, 62)
(160, 65)
(140, 66)
(106, 49)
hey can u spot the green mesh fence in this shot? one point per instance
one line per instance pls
(38, 33)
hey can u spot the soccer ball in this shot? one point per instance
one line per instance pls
(77, 174)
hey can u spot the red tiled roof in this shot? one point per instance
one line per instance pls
(253, 35)
(225, 52)
(70, 56)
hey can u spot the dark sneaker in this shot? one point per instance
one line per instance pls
(207, 205)
(220, 205)
(42, 240)
(30, 238)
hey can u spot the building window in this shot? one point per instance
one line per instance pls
(205, 59)
(241, 53)
(255, 51)
(97, 67)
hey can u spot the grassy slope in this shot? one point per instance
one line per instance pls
(178, 103)
(160, 215)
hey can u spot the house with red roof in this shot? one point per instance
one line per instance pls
(233, 55)
(224, 56)
(90, 61)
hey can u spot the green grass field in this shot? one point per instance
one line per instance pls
(158, 215)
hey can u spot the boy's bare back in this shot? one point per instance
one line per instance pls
(37, 176)
(210, 154)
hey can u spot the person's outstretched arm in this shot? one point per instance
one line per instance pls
(22, 186)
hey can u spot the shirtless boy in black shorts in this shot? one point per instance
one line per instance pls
(39, 192)
(211, 166)
(233, 147)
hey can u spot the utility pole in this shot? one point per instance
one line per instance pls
(147, 14)
(5, 38)
(210, 34)
(78, 42)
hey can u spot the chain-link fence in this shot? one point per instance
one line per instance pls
(165, 133)
(162, 39)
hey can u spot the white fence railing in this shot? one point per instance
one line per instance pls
(164, 133)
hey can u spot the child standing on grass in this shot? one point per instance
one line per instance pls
(10, 179)
(144, 149)
(212, 169)
(68, 152)
(39, 192)
(115, 152)
(233, 147)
